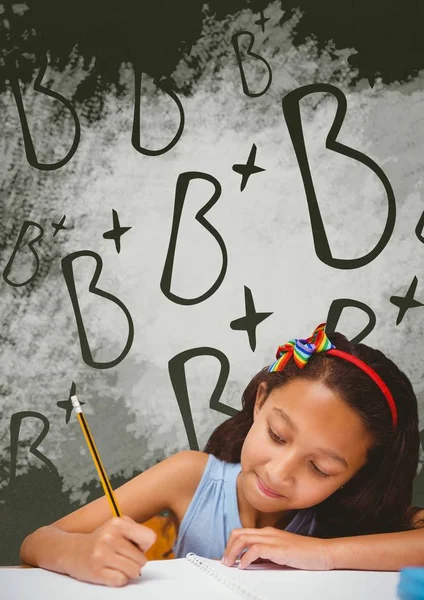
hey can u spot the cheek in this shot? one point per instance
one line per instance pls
(253, 446)
(317, 489)
(246, 451)
(308, 495)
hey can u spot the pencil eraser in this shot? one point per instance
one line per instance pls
(75, 403)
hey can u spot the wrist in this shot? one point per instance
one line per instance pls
(68, 550)
(331, 553)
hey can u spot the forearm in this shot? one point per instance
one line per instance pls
(378, 552)
(49, 547)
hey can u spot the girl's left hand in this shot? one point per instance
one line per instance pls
(281, 547)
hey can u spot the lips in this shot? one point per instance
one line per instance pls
(266, 490)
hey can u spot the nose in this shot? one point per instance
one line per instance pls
(282, 469)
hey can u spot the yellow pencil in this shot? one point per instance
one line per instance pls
(96, 457)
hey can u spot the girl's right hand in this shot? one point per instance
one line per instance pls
(113, 554)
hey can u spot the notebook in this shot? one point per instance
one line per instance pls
(197, 578)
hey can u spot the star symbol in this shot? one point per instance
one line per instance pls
(403, 303)
(67, 404)
(262, 20)
(252, 319)
(116, 232)
(248, 169)
(58, 226)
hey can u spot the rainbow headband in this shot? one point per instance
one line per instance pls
(302, 349)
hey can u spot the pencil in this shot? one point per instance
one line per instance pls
(96, 457)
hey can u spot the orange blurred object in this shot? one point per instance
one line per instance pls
(165, 530)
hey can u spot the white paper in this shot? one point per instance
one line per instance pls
(174, 579)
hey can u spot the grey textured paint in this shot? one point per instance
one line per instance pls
(266, 229)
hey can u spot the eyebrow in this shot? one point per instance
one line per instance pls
(329, 453)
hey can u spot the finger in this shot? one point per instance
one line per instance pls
(236, 533)
(124, 565)
(257, 551)
(140, 535)
(242, 541)
(129, 550)
(113, 578)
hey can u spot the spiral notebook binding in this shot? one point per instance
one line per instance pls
(227, 581)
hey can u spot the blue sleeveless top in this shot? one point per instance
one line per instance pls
(213, 513)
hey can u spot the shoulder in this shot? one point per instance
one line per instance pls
(191, 462)
(183, 472)
(185, 468)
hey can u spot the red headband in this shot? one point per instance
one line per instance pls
(302, 349)
(376, 378)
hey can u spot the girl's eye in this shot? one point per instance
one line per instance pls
(279, 440)
(318, 471)
(275, 437)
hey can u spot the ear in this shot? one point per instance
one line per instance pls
(261, 394)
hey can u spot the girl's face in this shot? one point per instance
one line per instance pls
(305, 442)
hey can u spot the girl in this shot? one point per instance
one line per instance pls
(315, 472)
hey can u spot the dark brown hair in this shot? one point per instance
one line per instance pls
(378, 498)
